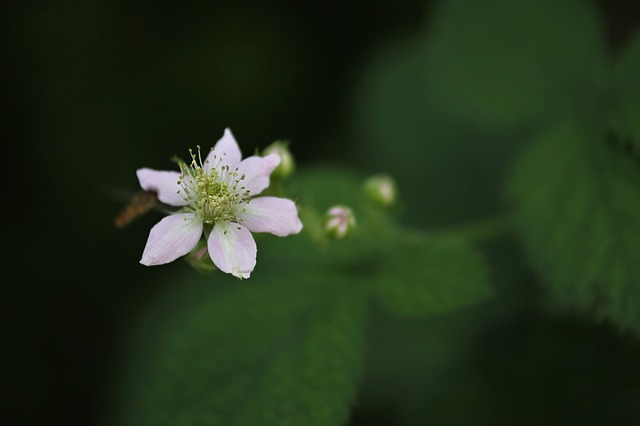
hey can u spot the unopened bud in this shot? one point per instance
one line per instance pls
(339, 221)
(199, 258)
(381, 189)
(287, 164)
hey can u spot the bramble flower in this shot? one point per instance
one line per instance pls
(217, 196)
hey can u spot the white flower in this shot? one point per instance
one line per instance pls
(218, 198)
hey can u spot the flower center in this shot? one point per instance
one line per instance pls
(214, 196)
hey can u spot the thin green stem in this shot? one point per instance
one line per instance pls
(475, 232)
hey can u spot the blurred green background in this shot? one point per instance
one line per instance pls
(95, 90)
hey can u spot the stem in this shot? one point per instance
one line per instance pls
(486, 229)
(475, 232)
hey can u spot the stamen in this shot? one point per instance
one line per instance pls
(199, 156)
(212, 196)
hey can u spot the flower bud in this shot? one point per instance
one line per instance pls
(287, 164)
(381, 189)
(199, 258)
(339, 221)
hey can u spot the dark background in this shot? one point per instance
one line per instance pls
(94, 90)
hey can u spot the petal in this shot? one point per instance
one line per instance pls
(164, 183)
(232, 249)
(225, 152)
(277, 216)
(256, 171)
(172, 237)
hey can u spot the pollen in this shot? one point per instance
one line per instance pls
(212, 192)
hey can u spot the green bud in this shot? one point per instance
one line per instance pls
(381, 190)
(287, 164)
(199, 258)
(339, 222)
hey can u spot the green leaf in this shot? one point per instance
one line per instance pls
(625, 119)
(509, 62)
(448, 171)
(280, 351)
(432, 277)
(413, 277)
(326, 186)
(578, 207)
(319, 189)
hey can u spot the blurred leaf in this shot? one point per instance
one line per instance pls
(317, 190)
(507, 62)
(432, 278)
(508, 372)
(579, 213)
(448, 171)
(277, 351)
(413, 278)
(325, 186)
(626, 73)
(315, 382)
(393, 103)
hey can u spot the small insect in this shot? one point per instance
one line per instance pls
(140, 203)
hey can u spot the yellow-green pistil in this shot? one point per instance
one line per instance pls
(215, 196)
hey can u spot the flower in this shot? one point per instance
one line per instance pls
(339, 221)
(217, 196)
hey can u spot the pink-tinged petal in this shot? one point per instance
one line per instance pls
(256, 172)
(172, 237)
(232, 249)
(277, 216)
(225, 152)
(164, 183)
